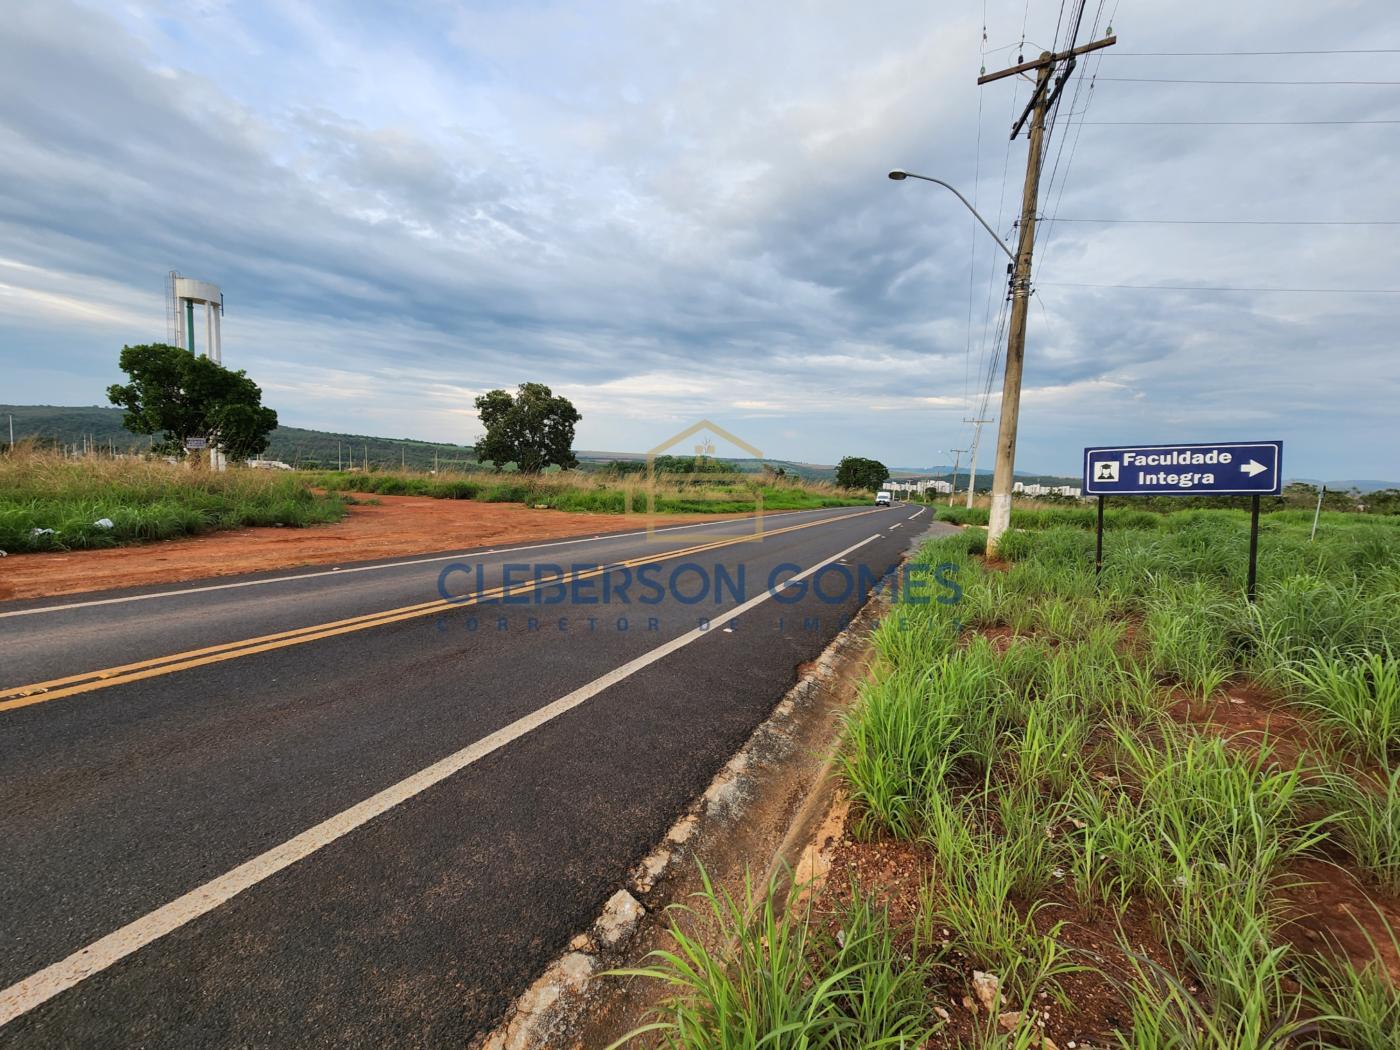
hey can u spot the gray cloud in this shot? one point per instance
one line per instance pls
(671, 211)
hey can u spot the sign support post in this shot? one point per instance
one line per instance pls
(1098, 545)
(1253, 547)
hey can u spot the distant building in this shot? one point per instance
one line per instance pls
(1037, 489)
(919, 487)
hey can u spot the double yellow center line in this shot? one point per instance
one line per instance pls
(40, 692)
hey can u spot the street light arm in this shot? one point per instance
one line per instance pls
(900, 175)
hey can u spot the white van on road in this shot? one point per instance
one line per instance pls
(884, 498)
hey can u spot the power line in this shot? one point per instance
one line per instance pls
(995, 269)
(1230, 123)
(1060, 85)
(1244, 222)
(1221, 288)
(976, 186)
(1208, 54)
(1074, 145)
(1274, 83)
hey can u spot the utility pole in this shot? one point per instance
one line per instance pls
(953, 489)
(1043, 98)
(972, 467)
(1317, 513)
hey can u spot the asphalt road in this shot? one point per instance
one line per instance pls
(333, 807)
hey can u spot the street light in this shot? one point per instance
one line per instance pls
(900, 176)
(1011, 392)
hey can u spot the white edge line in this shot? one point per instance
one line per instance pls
(389, 565)
(38, 988)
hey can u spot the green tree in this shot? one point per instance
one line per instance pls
(532, 429)
(1298, 494)
(691, 465)
(856, 472)
(621, 468)
(180, 396)
(1383, 501)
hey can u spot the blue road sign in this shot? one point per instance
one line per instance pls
(1252, 468)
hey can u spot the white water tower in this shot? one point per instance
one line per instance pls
(182, 295)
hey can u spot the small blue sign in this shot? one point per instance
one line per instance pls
(1251, 468)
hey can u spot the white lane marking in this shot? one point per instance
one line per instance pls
(25, 995)
(387, 565)
(917, 513)
(896, 525)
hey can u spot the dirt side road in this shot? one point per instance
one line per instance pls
(398, 525)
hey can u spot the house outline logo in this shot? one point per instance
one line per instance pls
(706, 447)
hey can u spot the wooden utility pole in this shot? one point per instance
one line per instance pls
(1048, 86)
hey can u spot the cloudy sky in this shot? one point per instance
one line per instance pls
(678, 210)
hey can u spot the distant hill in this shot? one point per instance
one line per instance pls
(592, 459)
(827, 472)
(1361, 485)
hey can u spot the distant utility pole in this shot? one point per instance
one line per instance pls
(957, 462)
(338, 463)
(972, 467)
(12, 430)
(1045, 95)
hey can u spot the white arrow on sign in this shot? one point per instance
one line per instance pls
(1251, 468)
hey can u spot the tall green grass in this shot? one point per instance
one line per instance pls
(1365, 821)
(594, 494)
(1040, 762)
(778, 983)
(1356, 697)
(143, 499)
(1357, 1006)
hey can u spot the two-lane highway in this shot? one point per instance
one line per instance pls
(367, 804)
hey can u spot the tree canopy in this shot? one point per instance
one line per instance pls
(181, 396)
(856, 472)
(691, 465)
(533, 428)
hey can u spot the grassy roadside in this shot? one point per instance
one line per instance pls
(49, 502)
(1083, 517)
(1057, 838)
(592, 494)
(144, 500)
